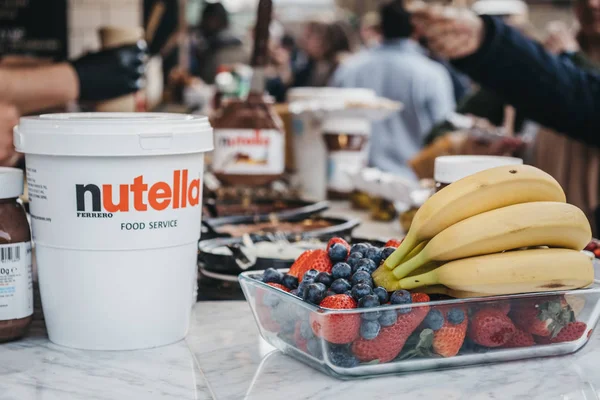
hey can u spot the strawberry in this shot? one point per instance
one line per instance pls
(503, 306)
(299, 264)
(520, 339)
(266, 320)
(573, 331)
(338, 329)
(395, 243)
(448, 340)
(338, 240)
(390, 341)
(319, 260)
(490, 327)
(301, 343)
(542, 317)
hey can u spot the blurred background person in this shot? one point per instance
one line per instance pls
(484, 103)
(32, 87)
(370, 30)
(399, 70)
(214, 44)
(326, 45)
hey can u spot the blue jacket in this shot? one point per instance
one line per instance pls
(547, 88)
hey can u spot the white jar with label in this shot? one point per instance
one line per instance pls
(16, 280)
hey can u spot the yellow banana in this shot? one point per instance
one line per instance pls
(523, 271)
(475, 194)
(384, 277)
(550, 224)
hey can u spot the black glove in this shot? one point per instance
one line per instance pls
(111, 73)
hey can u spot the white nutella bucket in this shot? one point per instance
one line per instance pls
(115, 202)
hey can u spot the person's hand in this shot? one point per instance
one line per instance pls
(111, 73)
(450, 32)
(9, 118)
(560, 38)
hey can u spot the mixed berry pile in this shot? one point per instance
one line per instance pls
(339, 278)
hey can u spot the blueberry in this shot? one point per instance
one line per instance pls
(305, 330)
(290, 281)
(369, 329)
(295, 292)
(369, 301)
(338, 252)
(434, 320)
(348, 293)
(354, 258)
(314, 347)
(310, 274)
(342, 357)
(359, 248)
(324, 278)
(361, 290)
(374, 254)
(270, 299)
(302, 287)
(361, 276)
(340, 286)
(386, 252)
(388, 317)
(366, 264)
(456, 316)
(315, 293)
(382, 294)
(341, 271)
(271, 275)
(330, 293)
(401, 297)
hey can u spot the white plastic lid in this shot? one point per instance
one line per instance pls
(113, 134)
(449, 169)
(11, 182)
(355, 126)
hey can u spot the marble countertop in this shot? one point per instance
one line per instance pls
(224, 358)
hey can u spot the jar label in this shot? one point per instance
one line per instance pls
(249, 152)
(16, 281)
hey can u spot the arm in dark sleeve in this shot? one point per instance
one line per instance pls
(549, 89)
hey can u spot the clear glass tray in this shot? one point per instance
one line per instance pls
(278, 324)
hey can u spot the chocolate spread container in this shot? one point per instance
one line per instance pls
(249, 137)
(16, 293)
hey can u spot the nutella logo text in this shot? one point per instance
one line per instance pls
(102, 201)
(257, 140)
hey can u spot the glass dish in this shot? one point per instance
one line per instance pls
(280, 316)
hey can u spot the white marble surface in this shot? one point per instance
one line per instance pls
(224, 358)
(35, 369)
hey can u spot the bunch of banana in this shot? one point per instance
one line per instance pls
(474, 227)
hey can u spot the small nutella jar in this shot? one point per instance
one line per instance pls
(249, 142)
(449, 169)
(16, 280)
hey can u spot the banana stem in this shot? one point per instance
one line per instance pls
(409, 243)
(413, 282)
(409, 266)
(416, 250)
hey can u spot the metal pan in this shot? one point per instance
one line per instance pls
(231, 265)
